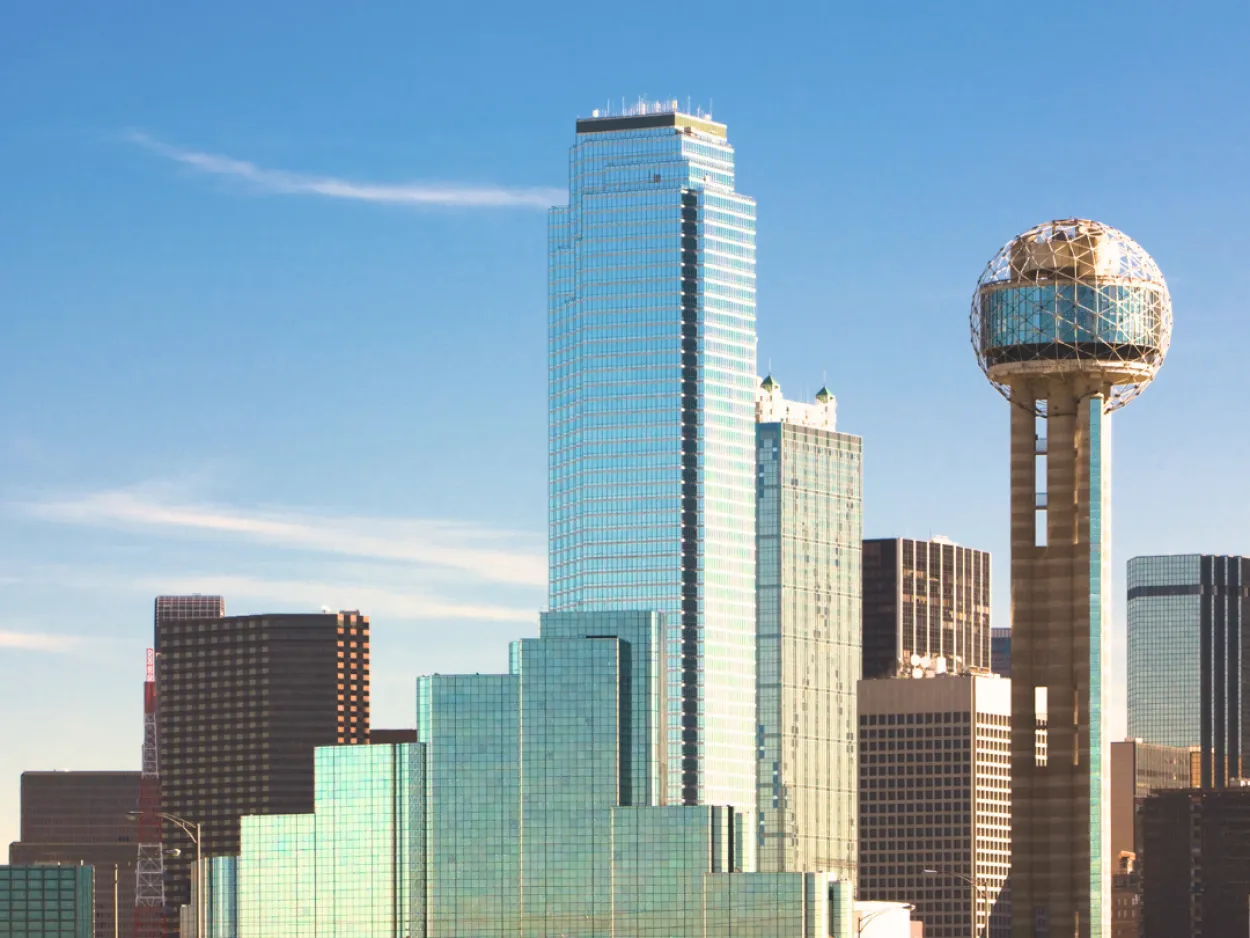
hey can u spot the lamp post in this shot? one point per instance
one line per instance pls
(861, 921)
(976, 884)
(192, 830)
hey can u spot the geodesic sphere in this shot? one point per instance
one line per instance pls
(1072, 296)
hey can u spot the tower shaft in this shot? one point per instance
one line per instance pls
(1060, 488)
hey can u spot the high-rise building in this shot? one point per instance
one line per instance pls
(1137, 769)
(46, 902)
(651, 418)
(1195, 863)
(1189, 658)
(83, 818)
(244, 702)
(809, 533)
(935, 800)
(1070, 320)
(1000, 652)
(926, 605)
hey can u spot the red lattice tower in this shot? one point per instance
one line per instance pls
(150, 865)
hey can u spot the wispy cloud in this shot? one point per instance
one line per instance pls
(485, 554)
(39, 641)
(282, 182)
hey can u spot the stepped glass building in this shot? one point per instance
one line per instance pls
(652, 418)
(1070, 321)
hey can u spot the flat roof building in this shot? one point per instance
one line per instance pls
(926, 604)
(935, 794)
(244, 701)
(82, 818)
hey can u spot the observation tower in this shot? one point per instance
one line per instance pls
(1070, 321)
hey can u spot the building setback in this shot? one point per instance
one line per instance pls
(925, 600)
(243, 703)
(935, 794)
(651, 351)
(1189, 658)
(809, 533)
(82, 818)
(1195, 863)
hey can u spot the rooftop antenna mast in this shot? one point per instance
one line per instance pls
(150, 863)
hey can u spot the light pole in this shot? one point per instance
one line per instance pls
(192, 830)
(861, 921)
(978, 887)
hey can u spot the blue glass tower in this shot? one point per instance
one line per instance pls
(651, 419)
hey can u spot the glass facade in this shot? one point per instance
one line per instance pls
(651, 386)
(809, 539)
(1189, 658)
(46, 902)
(1044, 320)
(341, 871)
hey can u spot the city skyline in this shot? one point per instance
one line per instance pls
(108, 505)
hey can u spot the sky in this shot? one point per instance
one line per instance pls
(273, 287)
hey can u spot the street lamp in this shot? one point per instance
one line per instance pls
(861, 921)
(192, 830)
(972, 881)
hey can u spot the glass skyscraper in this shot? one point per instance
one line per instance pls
(651, 418)
(809, 536)
(1189, 658)
(47, 902)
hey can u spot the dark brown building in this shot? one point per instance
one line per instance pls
(927, 599)
(243, 702)
(76, 818)
(391, 737)
(1195, 863)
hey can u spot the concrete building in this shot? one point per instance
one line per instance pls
(926, 604)
(243, 703)
(651, 351)
(1195, 863)
(82, 819)
(1070, 321)
(935, 794)
(809, 533)
(46, 902)
(1137, 769)
(1189, 658)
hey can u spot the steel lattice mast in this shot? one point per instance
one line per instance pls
(150, 865)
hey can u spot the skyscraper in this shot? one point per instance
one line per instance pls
(1189, 658)
(1070, 321)
(83, 818)
(927, 600)
(808, 540)
(935, 799)
(1000, 651)
(651, 418)
(244, 702)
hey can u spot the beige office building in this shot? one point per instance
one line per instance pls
(935, 794)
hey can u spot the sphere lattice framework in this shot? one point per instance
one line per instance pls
(1072, 297)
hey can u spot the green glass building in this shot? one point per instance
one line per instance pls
(809, 537)
(343, 870)
(47, 902)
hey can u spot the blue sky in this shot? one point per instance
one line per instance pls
(272, 280)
